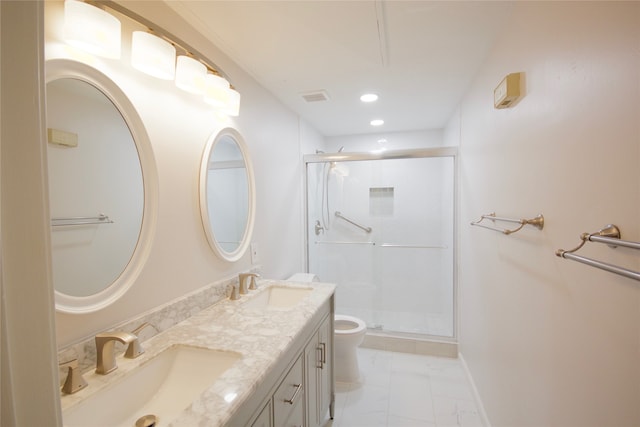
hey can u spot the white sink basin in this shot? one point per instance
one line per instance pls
(164, 386)
(278, 297)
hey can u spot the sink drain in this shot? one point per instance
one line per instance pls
(147, 421)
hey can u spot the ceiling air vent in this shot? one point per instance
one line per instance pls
(316, 96)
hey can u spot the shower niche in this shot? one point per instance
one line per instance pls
(387, 237)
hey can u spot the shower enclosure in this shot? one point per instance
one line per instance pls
(381, 227)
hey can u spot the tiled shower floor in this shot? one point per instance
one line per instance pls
(406, 390)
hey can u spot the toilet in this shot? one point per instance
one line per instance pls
(349, 333)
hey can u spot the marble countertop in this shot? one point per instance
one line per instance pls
(260, 336)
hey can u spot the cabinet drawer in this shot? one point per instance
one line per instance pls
(289, 394)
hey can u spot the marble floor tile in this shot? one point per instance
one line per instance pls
(405, 390)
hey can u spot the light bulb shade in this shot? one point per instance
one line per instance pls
(153, 55)
(91, 29)
(216, 90)
(190, 74)
(233, 103)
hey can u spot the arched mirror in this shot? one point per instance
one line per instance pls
(101, 187)
(227, 199)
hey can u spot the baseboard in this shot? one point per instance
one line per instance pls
(410, 345)
(476, 395)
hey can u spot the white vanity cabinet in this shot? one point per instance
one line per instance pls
(300, 389)
(264, 419)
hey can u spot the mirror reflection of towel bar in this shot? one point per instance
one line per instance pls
(81, 220)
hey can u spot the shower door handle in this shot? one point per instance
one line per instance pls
(318, 228)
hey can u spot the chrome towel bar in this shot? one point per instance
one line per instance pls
(537, 222)
(610, 235)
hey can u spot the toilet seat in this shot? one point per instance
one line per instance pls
(348, 325)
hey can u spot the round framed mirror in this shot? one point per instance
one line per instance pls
(102, 191)
(227, 196)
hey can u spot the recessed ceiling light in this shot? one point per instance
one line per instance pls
(369, 97)
(377, 122)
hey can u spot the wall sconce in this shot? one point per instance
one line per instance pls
(91, 29)
(190, 74)
(153, 55)
(97, 31)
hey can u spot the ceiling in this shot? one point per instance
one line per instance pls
(418, 56)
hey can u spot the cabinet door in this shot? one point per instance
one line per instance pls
(264, 419)
(319, 373)
(312, 362)
(325, 372)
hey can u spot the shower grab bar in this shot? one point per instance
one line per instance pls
(391, 245)
(362, 227)
(344, 243)
(537, 222)
(81, 220)
(610, 235)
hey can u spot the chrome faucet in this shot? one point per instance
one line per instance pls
(106, 358)
(243, 282)
(75, 381)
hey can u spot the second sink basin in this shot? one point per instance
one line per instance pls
(163, 387)
(278, 297)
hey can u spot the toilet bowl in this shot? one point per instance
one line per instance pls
(349, 333)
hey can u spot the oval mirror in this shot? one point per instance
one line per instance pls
(98, 196)
(227, 199)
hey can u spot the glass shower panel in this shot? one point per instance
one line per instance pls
(382, 230)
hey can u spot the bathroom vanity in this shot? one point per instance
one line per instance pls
(274, 351)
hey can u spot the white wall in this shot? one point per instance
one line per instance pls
(551, 342)
(29, 384)
(178, 125)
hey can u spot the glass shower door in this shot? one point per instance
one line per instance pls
(383, 231)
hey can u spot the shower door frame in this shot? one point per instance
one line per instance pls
(417, 153)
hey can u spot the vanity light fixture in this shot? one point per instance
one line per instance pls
(153, 55)
(216, 90)
(233, 102)
(376, 122)
(190, 74)
(91, 29)
(152, 52)
(369, 97)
